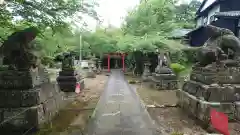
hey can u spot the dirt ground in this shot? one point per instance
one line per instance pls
(172, 119)
(75, 116)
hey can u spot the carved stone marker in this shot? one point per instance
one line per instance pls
(27, 97)
(164, 78)
(69, 77)
(99, 68)
(214, 83)
(146, 72)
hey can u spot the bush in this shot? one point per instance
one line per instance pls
(177, 68)
(47, 60)
(190, 54)
(186, 56)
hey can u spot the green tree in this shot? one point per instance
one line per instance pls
(45, 13)
(185, 13)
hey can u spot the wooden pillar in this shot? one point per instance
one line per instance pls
(123, 62)
(108, 62)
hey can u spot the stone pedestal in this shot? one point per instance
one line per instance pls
(99, 68)
(211, 88)
(146, 73)
(164, 79)
(94, 67)
(91, 73)
(27, 100)
(68, 79)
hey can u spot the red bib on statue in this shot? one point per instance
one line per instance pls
(77, 89)
(219, 121)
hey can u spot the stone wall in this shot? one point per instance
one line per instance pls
(27, 107)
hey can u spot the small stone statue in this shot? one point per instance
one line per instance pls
(164, 78)
(17, 51)
(162, 63)
(68, 62)
(99, 68)
(146, 72)
(215, 78)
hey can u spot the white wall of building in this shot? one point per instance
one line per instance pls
(199, 22)
(212, 12)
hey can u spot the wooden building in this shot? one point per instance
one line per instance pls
(220, 13)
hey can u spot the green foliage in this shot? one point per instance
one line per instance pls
(146, 28)
(177, 68)
(185, 14)
(47, 60)
(177, 133)
(190, 53)
(45, 13)
(151, 17)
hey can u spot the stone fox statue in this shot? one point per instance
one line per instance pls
(16, 50)
(221, 45)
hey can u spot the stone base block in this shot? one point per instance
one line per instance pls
(146, 78)
(68, 83)
(20, 119)
(208, 78)
(213, 93)
(69, 86)
(165, 84)
(27, 98)
(157, 76)
(68, 73)
(90, 75)
(200, 108)
(220, 75)
(237, 110)
(11, 79)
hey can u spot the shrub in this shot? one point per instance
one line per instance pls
(190, 54)
(47, 60)
(177, 68)
(184, 56)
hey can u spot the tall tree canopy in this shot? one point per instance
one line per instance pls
(44, 13)
(185, 13)
(146, 27)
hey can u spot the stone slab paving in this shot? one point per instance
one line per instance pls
(119, 111)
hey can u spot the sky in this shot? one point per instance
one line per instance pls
(113, 11)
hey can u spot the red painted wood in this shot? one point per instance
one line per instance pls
(108, 63)
(123, 62)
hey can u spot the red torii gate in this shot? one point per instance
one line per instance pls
(117, 54)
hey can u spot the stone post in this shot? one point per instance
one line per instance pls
(116, 63)
(91, 73)
(99, 68)
(94, 61)
(146, 72)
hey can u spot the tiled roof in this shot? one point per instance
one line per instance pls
(228, 14)
(207, 4)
